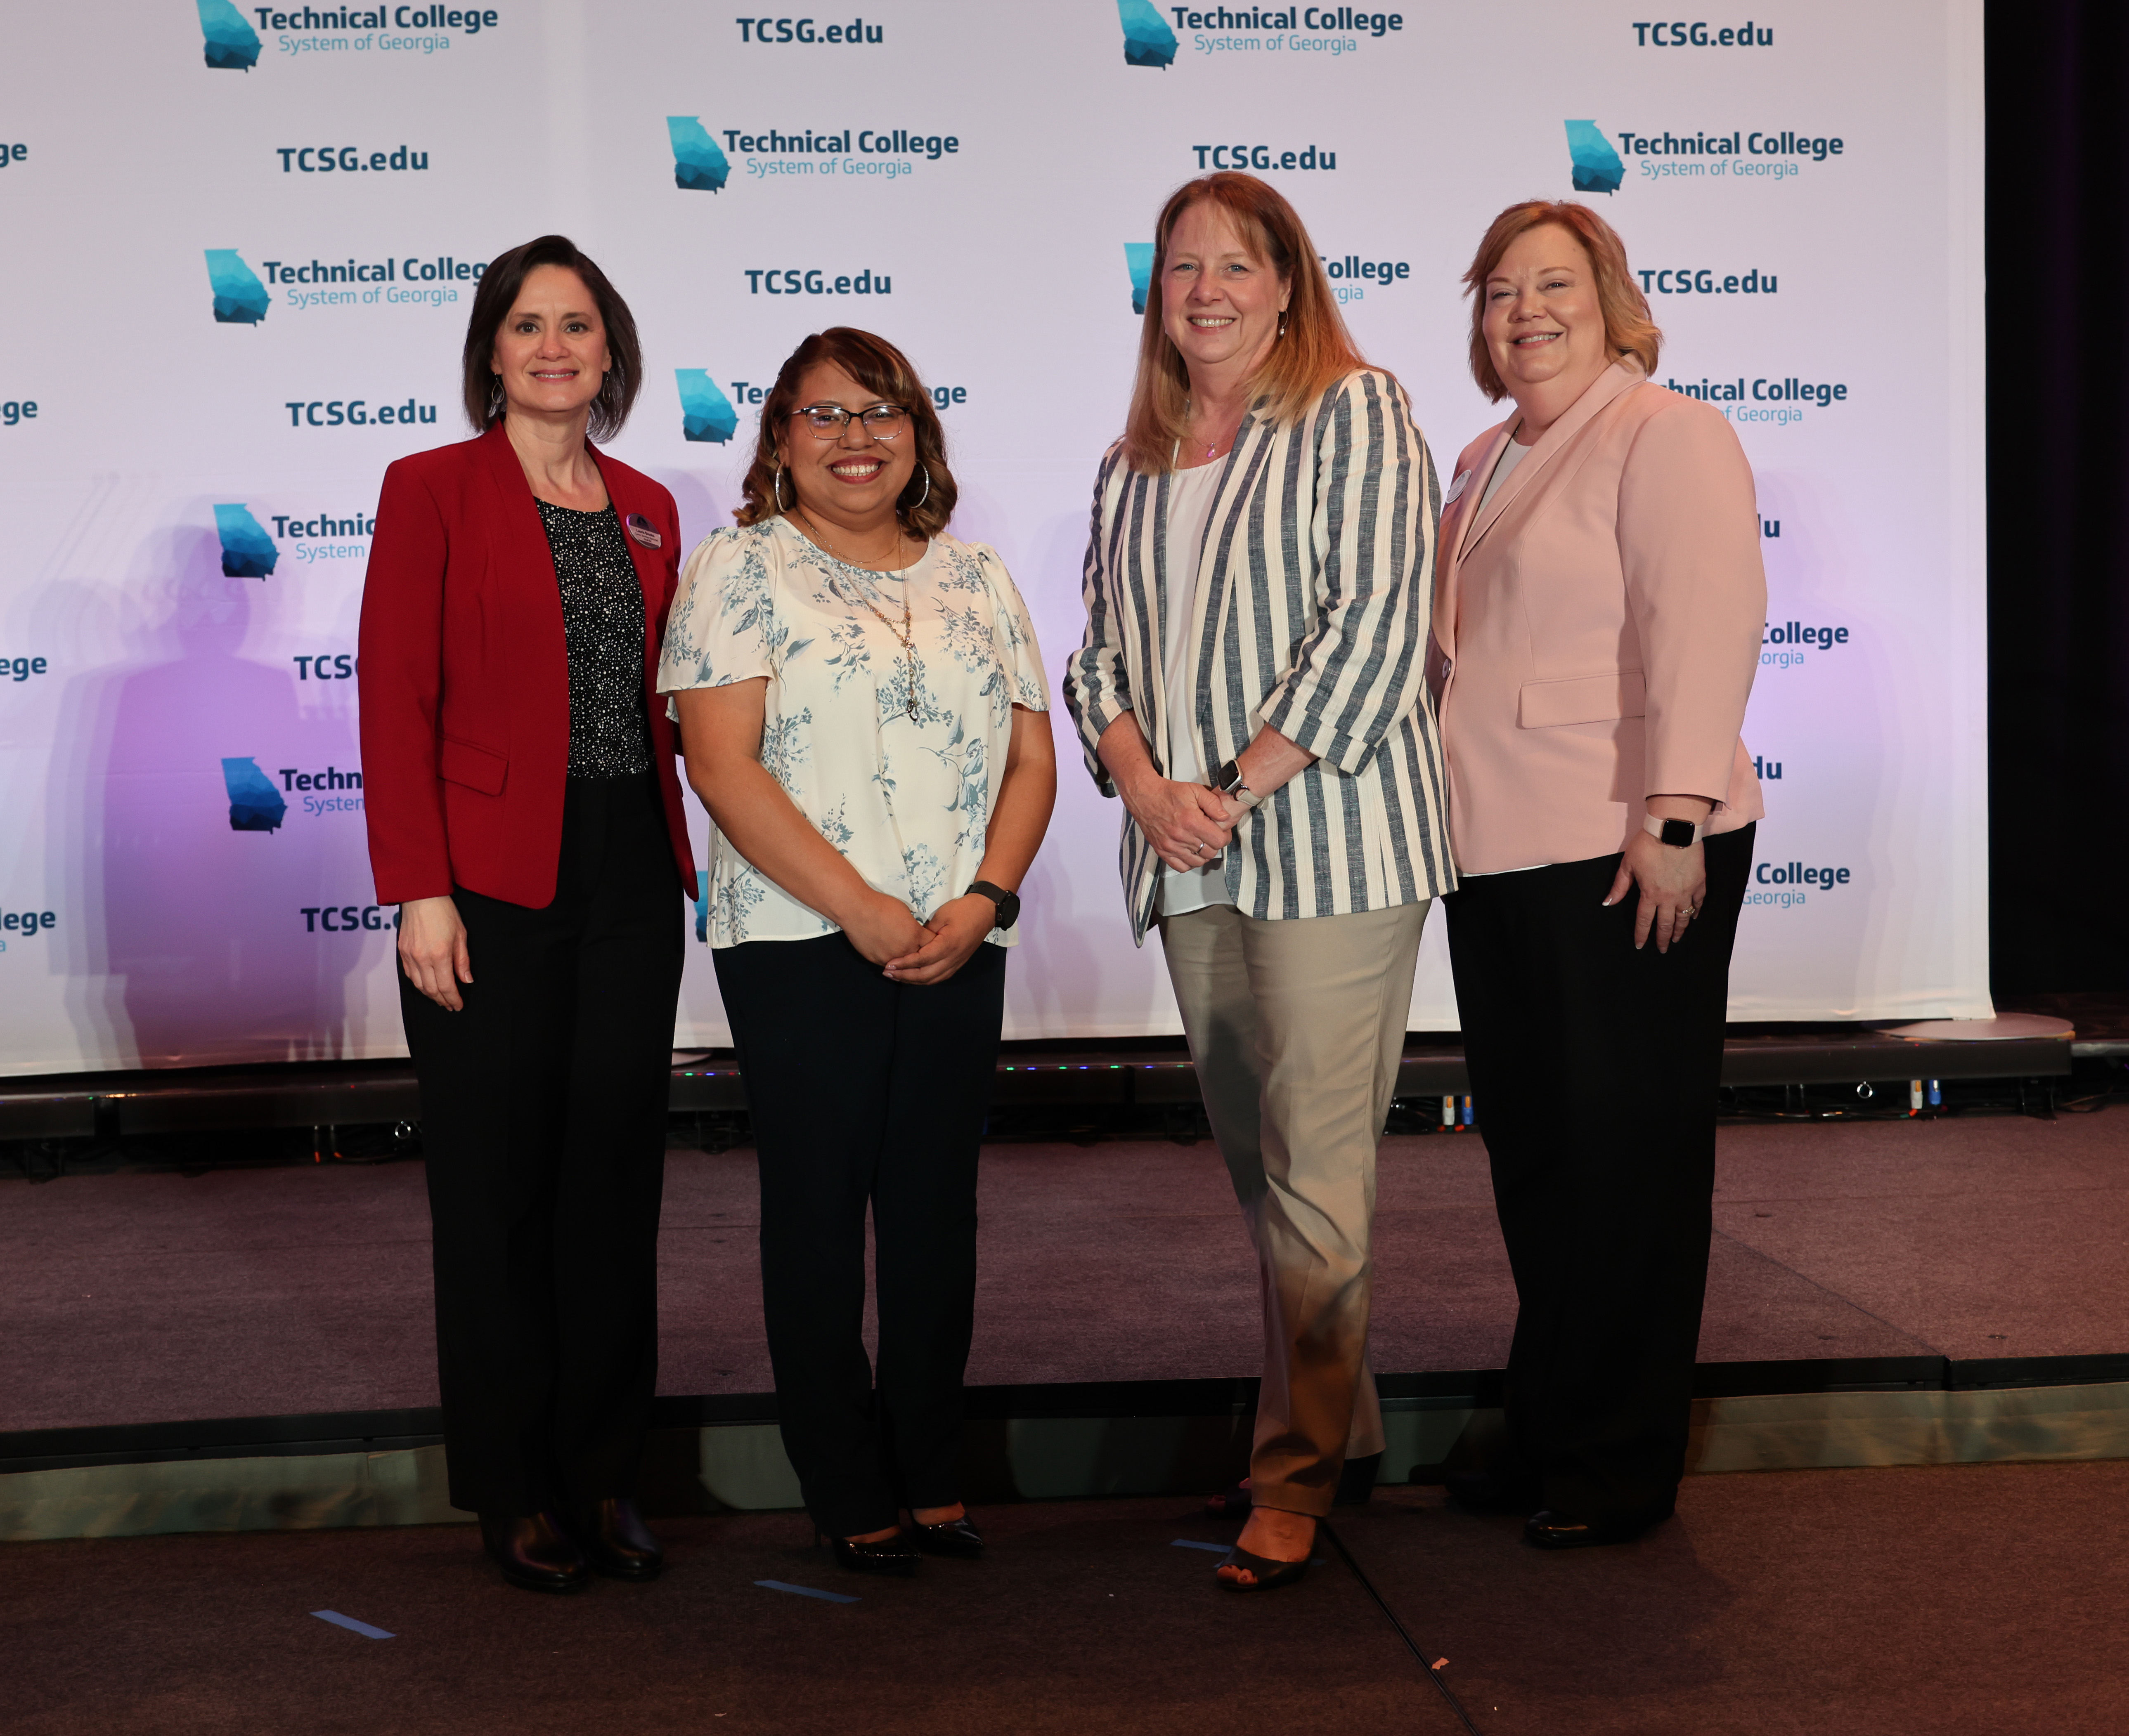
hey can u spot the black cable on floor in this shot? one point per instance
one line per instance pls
(1411, 1644)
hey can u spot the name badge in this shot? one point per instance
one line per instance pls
(639, 527)
(1456, 488)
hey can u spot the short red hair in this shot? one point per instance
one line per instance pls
(1628, 330)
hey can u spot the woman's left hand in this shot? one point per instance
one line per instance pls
(1673, 882)
(958, 928)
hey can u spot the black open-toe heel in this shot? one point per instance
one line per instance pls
(890, 1555)
(1268, 1575)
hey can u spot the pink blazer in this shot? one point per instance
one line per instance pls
(1600, 623)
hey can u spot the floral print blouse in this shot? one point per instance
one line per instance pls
(893, 754)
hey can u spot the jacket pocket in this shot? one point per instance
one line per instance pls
(477, 768)
(1547, 704)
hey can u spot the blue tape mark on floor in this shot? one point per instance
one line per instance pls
(1185, 1543)
(828, 1597)
(352, 1624)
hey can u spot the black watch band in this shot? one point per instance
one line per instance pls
(1007, 903)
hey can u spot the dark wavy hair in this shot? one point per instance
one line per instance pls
(491, 302)
(881, 368)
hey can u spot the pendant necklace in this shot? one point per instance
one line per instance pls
(905, 634)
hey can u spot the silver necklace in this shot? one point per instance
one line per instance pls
(906, 633)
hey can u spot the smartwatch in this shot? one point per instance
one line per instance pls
(1228, 782)
(1007, 903)
(1678, 834)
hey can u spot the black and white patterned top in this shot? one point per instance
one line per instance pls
(603, 616)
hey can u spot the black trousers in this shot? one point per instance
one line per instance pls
(543, 1117)
(863, 1091)
(1595, 1070)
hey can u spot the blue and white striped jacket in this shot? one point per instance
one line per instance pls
(1311, 616)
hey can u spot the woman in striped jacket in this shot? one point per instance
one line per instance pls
(1252, 685)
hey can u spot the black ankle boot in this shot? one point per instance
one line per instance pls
(534, 1552)
(615, 1540)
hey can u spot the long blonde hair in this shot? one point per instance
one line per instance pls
(1316, 352)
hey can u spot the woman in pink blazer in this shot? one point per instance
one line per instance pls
(1598, 612)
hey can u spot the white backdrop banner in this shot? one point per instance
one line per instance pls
(245, 240)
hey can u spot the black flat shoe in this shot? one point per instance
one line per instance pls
(1548, 1529)
(533, 1551)
(1487, 1492)
(616, 1541)
(890, 1555)
(957, 1537)
(1265, 1574)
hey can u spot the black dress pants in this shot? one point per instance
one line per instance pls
(1595, 1070)
(863, 1091)
(543, 1117)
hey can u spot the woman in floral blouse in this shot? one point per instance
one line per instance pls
(859, 698)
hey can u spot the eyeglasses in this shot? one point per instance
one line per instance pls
(881, 421)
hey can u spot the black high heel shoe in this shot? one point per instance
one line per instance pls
(957, 1537)
(894, 1554)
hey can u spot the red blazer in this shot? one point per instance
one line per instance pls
(464, 675)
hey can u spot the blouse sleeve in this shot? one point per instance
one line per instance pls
(723, 626)
(1018, 653)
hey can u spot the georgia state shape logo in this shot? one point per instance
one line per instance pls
(699, 165)
(239, 298)
(255, 805)
(247, 551)
(706, 413)
(1596, 165)
(1148, 41)
(230, 42)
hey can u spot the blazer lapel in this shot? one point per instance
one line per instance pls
(1255, 438)
(649, 563)
(1466, 509)
(1616, 379)
(522, 564)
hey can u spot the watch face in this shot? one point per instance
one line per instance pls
(1678, 832)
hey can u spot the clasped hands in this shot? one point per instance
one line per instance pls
(1187, 824)
(886, 932)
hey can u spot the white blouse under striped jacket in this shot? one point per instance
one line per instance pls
(1311, 616)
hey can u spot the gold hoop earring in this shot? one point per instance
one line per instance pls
(776, 490)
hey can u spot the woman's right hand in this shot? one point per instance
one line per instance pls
(432, 950)
(1187, 824)
(881, 928)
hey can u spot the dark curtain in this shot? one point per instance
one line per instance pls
(2058, 323)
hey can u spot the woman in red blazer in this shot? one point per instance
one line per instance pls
(525, 814)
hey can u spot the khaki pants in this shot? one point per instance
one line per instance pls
(1296, 1028)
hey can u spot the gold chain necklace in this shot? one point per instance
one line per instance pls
(906, 633)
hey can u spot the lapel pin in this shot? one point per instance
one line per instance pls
(639, 527)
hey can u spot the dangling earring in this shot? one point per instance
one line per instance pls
(1282, 325)
(776, 490)
(496, 398)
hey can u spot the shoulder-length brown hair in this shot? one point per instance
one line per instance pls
(1316, 352)
(491, 302)
(882, 369)
(1628, 330)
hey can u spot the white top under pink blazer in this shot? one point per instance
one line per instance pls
(1600, 619)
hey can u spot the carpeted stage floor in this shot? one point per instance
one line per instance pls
(140, 1297)
(1982, 1599)
(1971, 1601)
